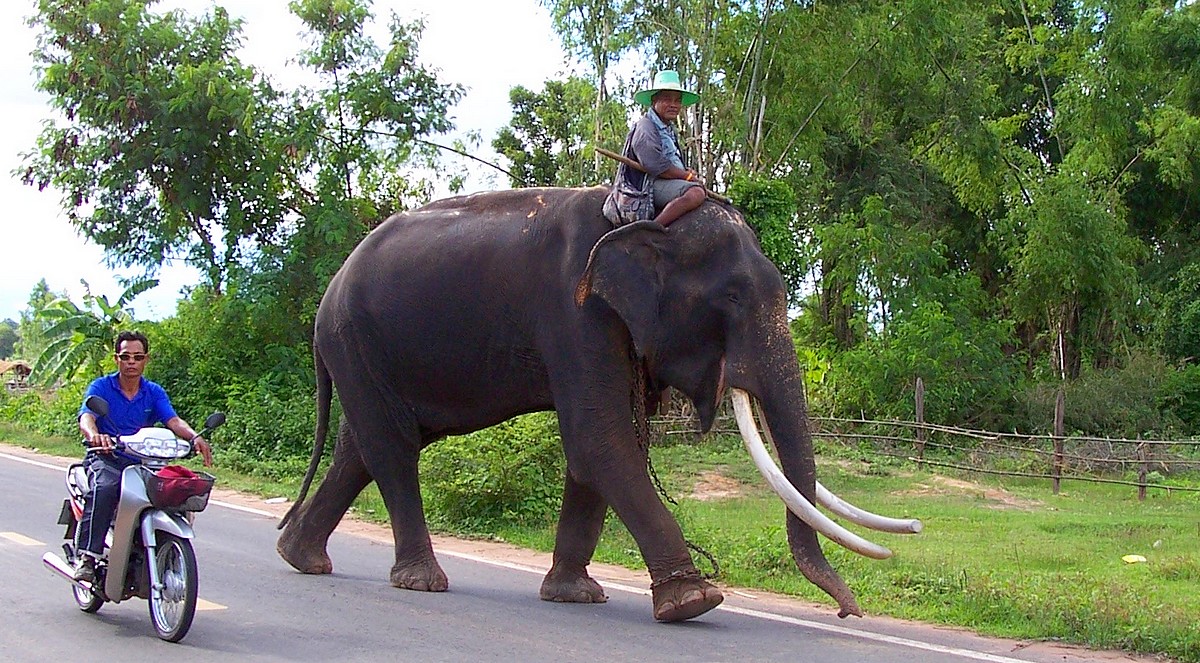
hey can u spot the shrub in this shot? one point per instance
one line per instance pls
(267, 424)
(510, 473)
(1177, 328)
(55, 413)
(968, 378)
(1179, 396)
(1113, 402)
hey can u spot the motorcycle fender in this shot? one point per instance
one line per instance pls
(135, 512)
(132, 504)
(155, 520)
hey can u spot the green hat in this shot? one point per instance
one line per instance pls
(667, 79)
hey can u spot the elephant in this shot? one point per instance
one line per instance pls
(473, 309)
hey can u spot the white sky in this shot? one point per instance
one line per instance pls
(486, 46)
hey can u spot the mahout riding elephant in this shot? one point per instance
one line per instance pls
(471, 310)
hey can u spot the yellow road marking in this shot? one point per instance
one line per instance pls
(21, 539)
(201, 604)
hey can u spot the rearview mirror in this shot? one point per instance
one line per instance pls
(97, 405)
(215, 419)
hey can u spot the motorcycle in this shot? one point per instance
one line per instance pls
(148, 549)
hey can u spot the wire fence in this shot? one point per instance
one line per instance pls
(1170, 465)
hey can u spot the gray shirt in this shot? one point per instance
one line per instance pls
(655, 145)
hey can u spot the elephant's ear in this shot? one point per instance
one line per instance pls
(622, 269)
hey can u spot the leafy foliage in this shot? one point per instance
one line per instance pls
(352, 137)
(8, 338)
(81, 338)
(511, 472)
(548, 141)
(55, 414)
(1139, 398)
(959, 355)
(164, 149)
(269, 430)
(770, 208)
(1177, 328)
(1179, 396)
(31, 330)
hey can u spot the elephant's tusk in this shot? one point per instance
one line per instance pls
(865, 518)
(795, 502)
(841, 507)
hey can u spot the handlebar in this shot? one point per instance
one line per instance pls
(144, 445)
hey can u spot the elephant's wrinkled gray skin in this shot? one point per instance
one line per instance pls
(471, 310)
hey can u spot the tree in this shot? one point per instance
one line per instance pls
(548, 140)
(769, 206)
(81, 337)
(1177, 324)
(31, 329)
(170, 147)
(597, 32)
(164, 146)
(8, 338)
(353, 137)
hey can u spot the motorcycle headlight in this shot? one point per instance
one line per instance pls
(159, 445)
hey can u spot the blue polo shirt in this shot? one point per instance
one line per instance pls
(125, 416)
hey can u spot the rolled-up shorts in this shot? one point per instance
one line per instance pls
(667, 190)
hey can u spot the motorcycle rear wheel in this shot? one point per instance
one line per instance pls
(173, 606)
(86, 599)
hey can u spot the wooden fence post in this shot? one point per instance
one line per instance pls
(1143, 469)
(1059, 407)
(920, 418)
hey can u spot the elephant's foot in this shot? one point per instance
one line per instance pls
(563, 587)
(422, 576)
(303, 556)
(681, 597)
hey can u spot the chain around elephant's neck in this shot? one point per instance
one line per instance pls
(641, 429)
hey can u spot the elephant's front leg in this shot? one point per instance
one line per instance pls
(579, 527)
(608, 461)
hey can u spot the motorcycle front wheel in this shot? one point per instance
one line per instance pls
(173, 606)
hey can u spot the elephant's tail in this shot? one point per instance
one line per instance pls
(324, 399)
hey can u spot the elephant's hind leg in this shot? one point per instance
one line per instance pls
(424, 575)
(392, 454)
(579, 527)
(415, 567)
(304, 540)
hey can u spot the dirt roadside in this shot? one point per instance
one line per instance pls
(616, 578)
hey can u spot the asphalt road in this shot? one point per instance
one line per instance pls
(256, 608)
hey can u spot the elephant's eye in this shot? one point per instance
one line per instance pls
(737, 293)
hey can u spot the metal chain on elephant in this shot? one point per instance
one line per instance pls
(641, 427)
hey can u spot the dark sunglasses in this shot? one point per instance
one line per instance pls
(125, 356)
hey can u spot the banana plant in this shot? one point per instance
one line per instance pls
(80, 337)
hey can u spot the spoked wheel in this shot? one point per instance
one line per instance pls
(174, 605)
(86, 599)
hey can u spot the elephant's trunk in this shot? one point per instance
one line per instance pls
(797, 485)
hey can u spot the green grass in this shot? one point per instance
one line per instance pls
(1001, 557)
(1005, 558)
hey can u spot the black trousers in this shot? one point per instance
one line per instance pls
(100, 503)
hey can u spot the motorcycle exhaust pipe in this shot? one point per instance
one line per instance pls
(55, 564)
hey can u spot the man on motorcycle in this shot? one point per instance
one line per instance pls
(134, 403)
